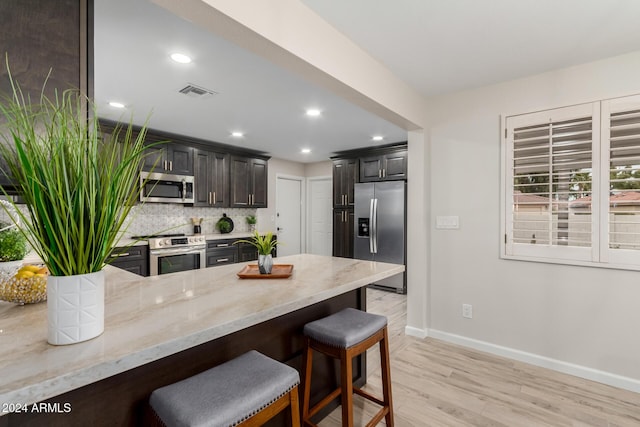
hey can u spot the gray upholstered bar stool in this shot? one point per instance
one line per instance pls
(344, 335)
(246, 391)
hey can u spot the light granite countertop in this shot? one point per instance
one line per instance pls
(152, 317)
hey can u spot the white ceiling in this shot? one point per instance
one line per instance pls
(441, 46)
(436, 46)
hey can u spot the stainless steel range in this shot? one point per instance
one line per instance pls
(173, 253)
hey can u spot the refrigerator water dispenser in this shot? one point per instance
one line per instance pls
(363, 227)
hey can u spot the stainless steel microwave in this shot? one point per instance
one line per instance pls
(166, 188)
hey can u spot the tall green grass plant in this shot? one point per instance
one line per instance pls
(78, 187)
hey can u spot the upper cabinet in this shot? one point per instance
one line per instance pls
(384, 167)
(224, 176)
(211, 173)
(248, 182)
(172, 158)
(345, 175)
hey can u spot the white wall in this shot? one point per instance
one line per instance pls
(575, 315)
(318, 169)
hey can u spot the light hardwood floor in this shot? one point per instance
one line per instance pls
(440, 384)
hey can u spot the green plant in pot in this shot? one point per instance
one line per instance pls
(13, 248)
(78, 189)
(265, 246)
(252, 220)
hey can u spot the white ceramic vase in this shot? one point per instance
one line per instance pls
(75, 308)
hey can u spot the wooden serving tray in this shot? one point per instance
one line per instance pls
(278, 271)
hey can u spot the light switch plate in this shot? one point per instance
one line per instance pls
(447, 222)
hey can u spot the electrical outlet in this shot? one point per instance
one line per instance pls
(467, 311)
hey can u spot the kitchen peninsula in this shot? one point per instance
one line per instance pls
(164, 328)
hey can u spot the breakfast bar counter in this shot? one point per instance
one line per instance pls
(161, 329)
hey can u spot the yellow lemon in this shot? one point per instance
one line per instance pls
(43, 270)
(25, 274)
(31, 268)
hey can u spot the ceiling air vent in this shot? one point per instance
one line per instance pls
(195, 91)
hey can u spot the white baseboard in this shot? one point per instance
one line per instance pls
(608, 378)
(415, 332)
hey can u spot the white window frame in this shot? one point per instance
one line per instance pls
(599, 254)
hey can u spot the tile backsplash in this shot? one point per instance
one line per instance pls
(154, 218)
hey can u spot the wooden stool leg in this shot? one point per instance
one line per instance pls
(346, 375)
(295, 407)
(307, 363)
(386, 377)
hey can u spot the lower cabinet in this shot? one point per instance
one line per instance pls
(224, 251)
(134, 259)
(221, 252)
(247, 252)
(343, 232)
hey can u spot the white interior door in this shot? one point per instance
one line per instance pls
(289, 214)
(320, 229)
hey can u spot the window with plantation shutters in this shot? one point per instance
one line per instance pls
(571, 182)
(550, 172)
(621, 141)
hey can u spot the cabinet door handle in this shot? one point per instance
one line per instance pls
(379, 173)
(346, 199)
(165, 165)
(222, 245)
(214, 197)
(249, 197)
(170, 165)
(223, 260)
(384, 173)
(209, 198)
(120, 255)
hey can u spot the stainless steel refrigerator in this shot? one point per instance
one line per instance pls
(380, 227)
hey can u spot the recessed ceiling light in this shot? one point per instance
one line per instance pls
(115, 104)
(237, 134)
(313, 112)
(305, 150)
(180, 58)
(377, 138)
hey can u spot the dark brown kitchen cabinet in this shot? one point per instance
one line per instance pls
(343, 220)
(211, 172)
(220, 252)
(384, 167)
(248, 178)
(247, 252)
(170, 158)
(45, 40)
(345, 175)
(134, 259)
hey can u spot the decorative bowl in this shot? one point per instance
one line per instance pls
(23, 290)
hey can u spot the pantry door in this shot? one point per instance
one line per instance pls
(289, 214)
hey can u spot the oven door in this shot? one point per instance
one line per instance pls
(164, 261)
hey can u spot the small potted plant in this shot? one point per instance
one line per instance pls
(13, 248)
(265, 245)
(251, 220)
